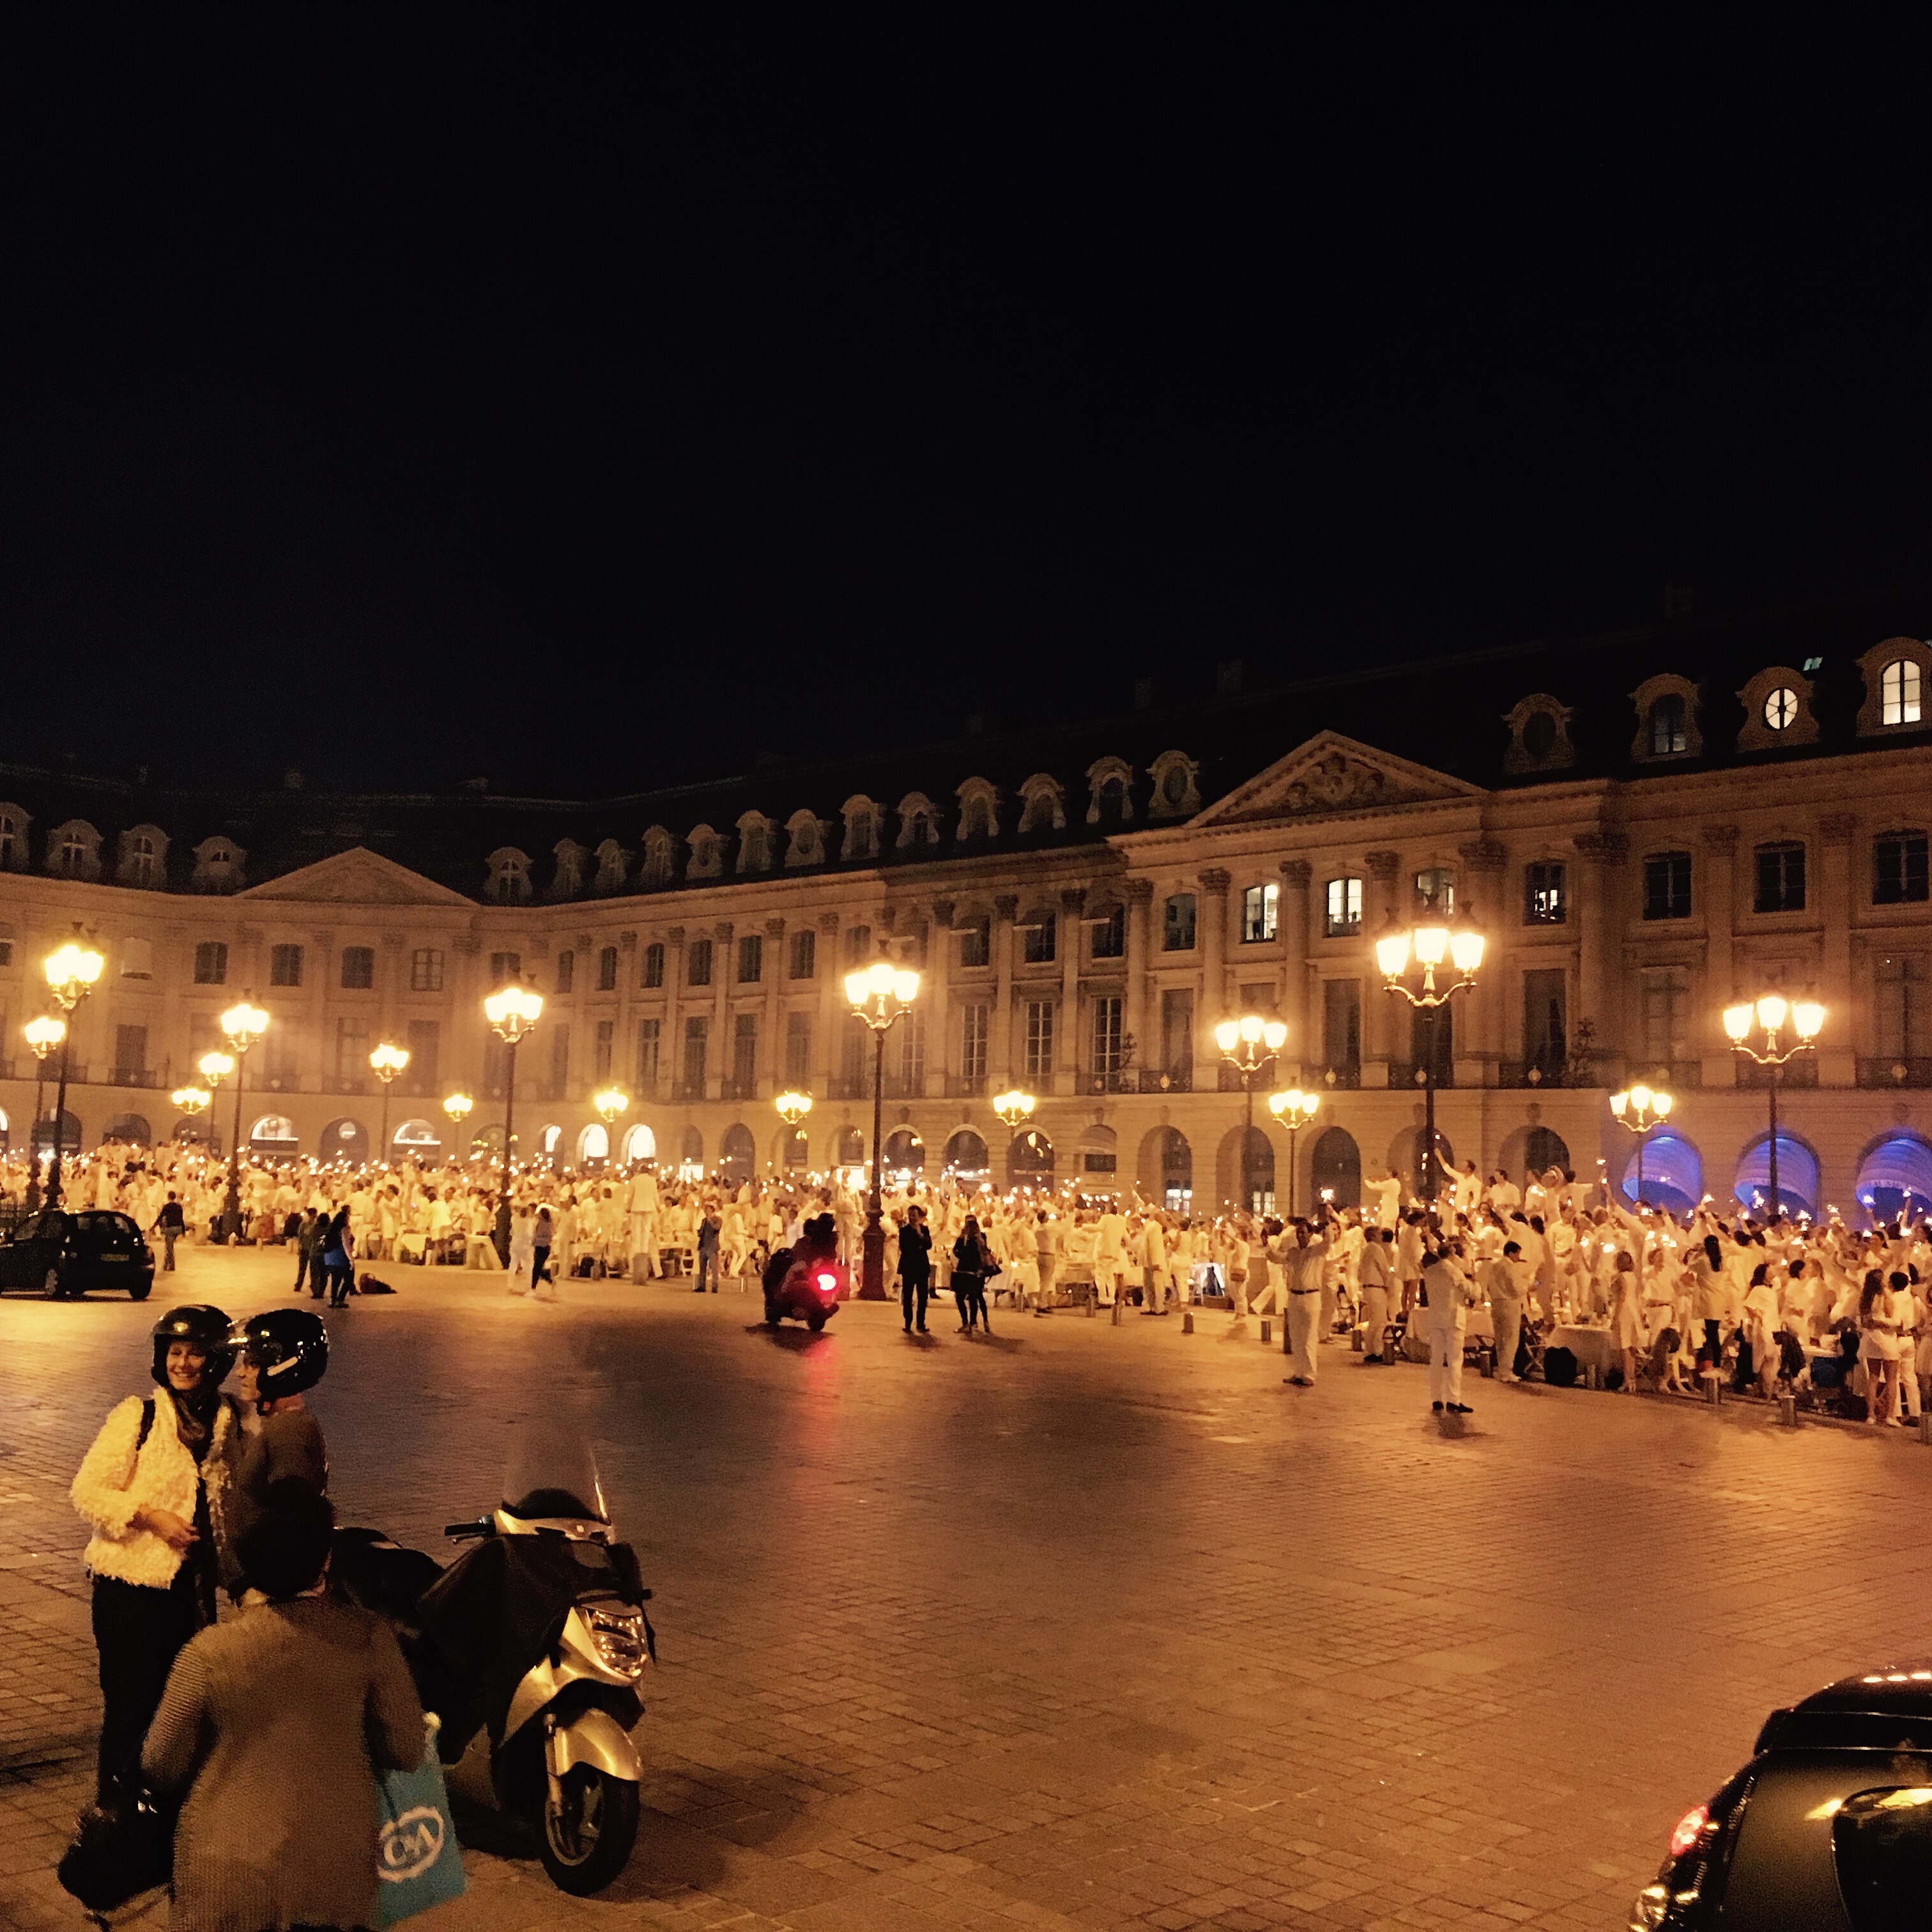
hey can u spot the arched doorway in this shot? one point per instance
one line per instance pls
(848, 1149)
(274, 1135)
(1405, 1157)
(1673, 1173)
(794, 1150)
(1251, 1184)
(966, 1156)
(1100, 1158)
(69, 1130)
(1532, 1150)
(1894, 1178)
(1335, 1169)
(691, 1155)
(593, 1145)
(739, 1162)
(487, 1140)
(640, 1144)
(1797, 1177)
(345, 1140)
(905, 1152)
(417, 1140)
(1166, 1169)
(188, 1131)
(131, 1130)
(1030, 1160)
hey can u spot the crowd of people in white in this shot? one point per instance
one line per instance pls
(1531, 1274)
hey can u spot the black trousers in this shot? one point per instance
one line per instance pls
(139, 1632)
(921, 1287)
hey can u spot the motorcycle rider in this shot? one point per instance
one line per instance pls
(156, 1486)
(281, 1355)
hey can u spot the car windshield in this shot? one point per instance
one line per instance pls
(99, 1221)
(552, 1473)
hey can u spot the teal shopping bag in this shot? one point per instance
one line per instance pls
(417, 1860)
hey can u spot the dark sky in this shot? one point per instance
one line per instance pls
(585, 396)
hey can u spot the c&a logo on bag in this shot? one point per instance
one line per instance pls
(409, 1845)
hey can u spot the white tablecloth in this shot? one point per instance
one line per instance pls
(1594, 1347)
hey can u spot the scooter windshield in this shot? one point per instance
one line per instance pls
(552, 1475)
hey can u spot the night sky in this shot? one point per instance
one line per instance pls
(588, 397)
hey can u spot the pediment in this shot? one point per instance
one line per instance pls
(358, 876)
(1330, 775)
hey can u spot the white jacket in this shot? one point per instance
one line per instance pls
(114, 1481)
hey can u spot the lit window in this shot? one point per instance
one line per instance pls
(1261, 906)
(1543, 899)
(1344, 907)
(1436, 890)
(1176, 924)
(1898, 693)
(1781, 708)
(1667, 735)
(426, 969)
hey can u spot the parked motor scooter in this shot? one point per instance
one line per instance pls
(538, 1632)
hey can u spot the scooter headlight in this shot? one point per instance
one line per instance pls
(619, 1637)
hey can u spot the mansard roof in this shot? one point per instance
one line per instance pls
(1340, 739)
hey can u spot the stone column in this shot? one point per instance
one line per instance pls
(623, 1039)
(935, 996)
(1140, 1021)
(1715, 894)
(1300, 1061)
(1481, 1026)
(1000, 1064)
(1066, 1028)
(771, 1045)
(832, 1010)
(724, 969)
(670, 1038)
(1382, 1013)
(463, 995)
(1838, 1045)
(1211, 936)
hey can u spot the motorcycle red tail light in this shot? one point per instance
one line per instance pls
(828, 1284)
(1690, 1828)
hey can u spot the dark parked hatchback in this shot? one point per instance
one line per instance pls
(1828, 1827)
(60, 1255)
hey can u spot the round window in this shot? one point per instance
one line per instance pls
(1781, 708)
(1539, 735)
(1173, 786)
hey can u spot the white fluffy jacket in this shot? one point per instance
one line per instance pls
(114, 1481)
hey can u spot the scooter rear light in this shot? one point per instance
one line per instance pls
(828, 1284)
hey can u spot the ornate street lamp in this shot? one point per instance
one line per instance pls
(610, 1104)
(513, 1011)
(1294, 1109)
(880, 995)
(1012, 1107)
(44, 1035)
(387, 1061)
(1248, 1044)
(1427, 943)
(792, 1106)
(1769, 1012)
(457, 1107)
(241, 1026)
(71, 971)
(190, 1100)
(1640, 1108)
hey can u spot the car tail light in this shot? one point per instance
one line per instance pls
(1690, 1828)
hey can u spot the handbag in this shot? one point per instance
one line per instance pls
(418, 1863)
(121, 1849)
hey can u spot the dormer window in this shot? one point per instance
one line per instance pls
(1539, 730)
(1777, 711)
(1667, 737)
(1898, 682)
(754, 843)
(142, 854)
(979, 811)
(804, 840)
(218, 864)
(862, 829)
(707, 859)
(74, 851)
(1043, 805)
(1176, 786)
(13, 838)
(567, 881)
(919, 821)
(612, 862)
(509, 876)
(1108, 801)
(1667, 719)
(660, 857)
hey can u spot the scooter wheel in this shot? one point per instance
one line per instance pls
(815, 1322)
(588, 1839)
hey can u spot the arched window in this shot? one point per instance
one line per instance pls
(142, 857)
(567, 881)
(273, 1133)
(613, 863)
(1673, 1173)
(1176, 792)
(593, 1144)
(1797, 1177)
(1108, 801)
(862, 829)
(422, 1139)
(1894, 1179)
(979, 811)
(1030, 1160)
(805, 839)
(640, 1144)
(1342, 917)
(707, 859)
(508, 879)
(919, 821)
(755, 842)
(966, 1155)
(660, 857)
(1667, 736)
(1898, 693)
(13, 838)
(905, 1152)
(1335, 1169)
(1042, 804)
(74, 851)
(1896, 674)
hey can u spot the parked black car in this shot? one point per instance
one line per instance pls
(1828, 1827)
(63, 1255)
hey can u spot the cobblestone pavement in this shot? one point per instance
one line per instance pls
(1077, 1626)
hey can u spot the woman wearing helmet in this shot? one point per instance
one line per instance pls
(155, 1487)
(279, 1356)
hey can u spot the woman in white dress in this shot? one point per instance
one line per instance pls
(1881, 1333)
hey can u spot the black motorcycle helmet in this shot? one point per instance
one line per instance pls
(204, 1325)
(289, 1346)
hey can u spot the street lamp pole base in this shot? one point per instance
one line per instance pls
(872, 1263)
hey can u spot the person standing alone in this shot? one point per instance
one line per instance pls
(172, 1225)
(915, 1266)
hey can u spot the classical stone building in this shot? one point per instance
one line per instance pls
(1644, 825)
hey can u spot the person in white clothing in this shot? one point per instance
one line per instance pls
(1450, 1294)
(1505, 1280)
(1378, 1270)
(1303, 1256)
(1383, 1198)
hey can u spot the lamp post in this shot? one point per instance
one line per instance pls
(880, 995)
(44, 1035)
(513, 1011)
(71, 971)
(1769, 1012)
(1427, 943)
(791, 1107)
(387, 1061)
(189, 1100)
(1640, 1108)
(1011, 1108)
(610, 1104)
(215, 1067)
(241, 1025)
(457, 1107)
(1248, 1044)
(1294, 1109)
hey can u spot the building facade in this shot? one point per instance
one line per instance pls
(1636, 860)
